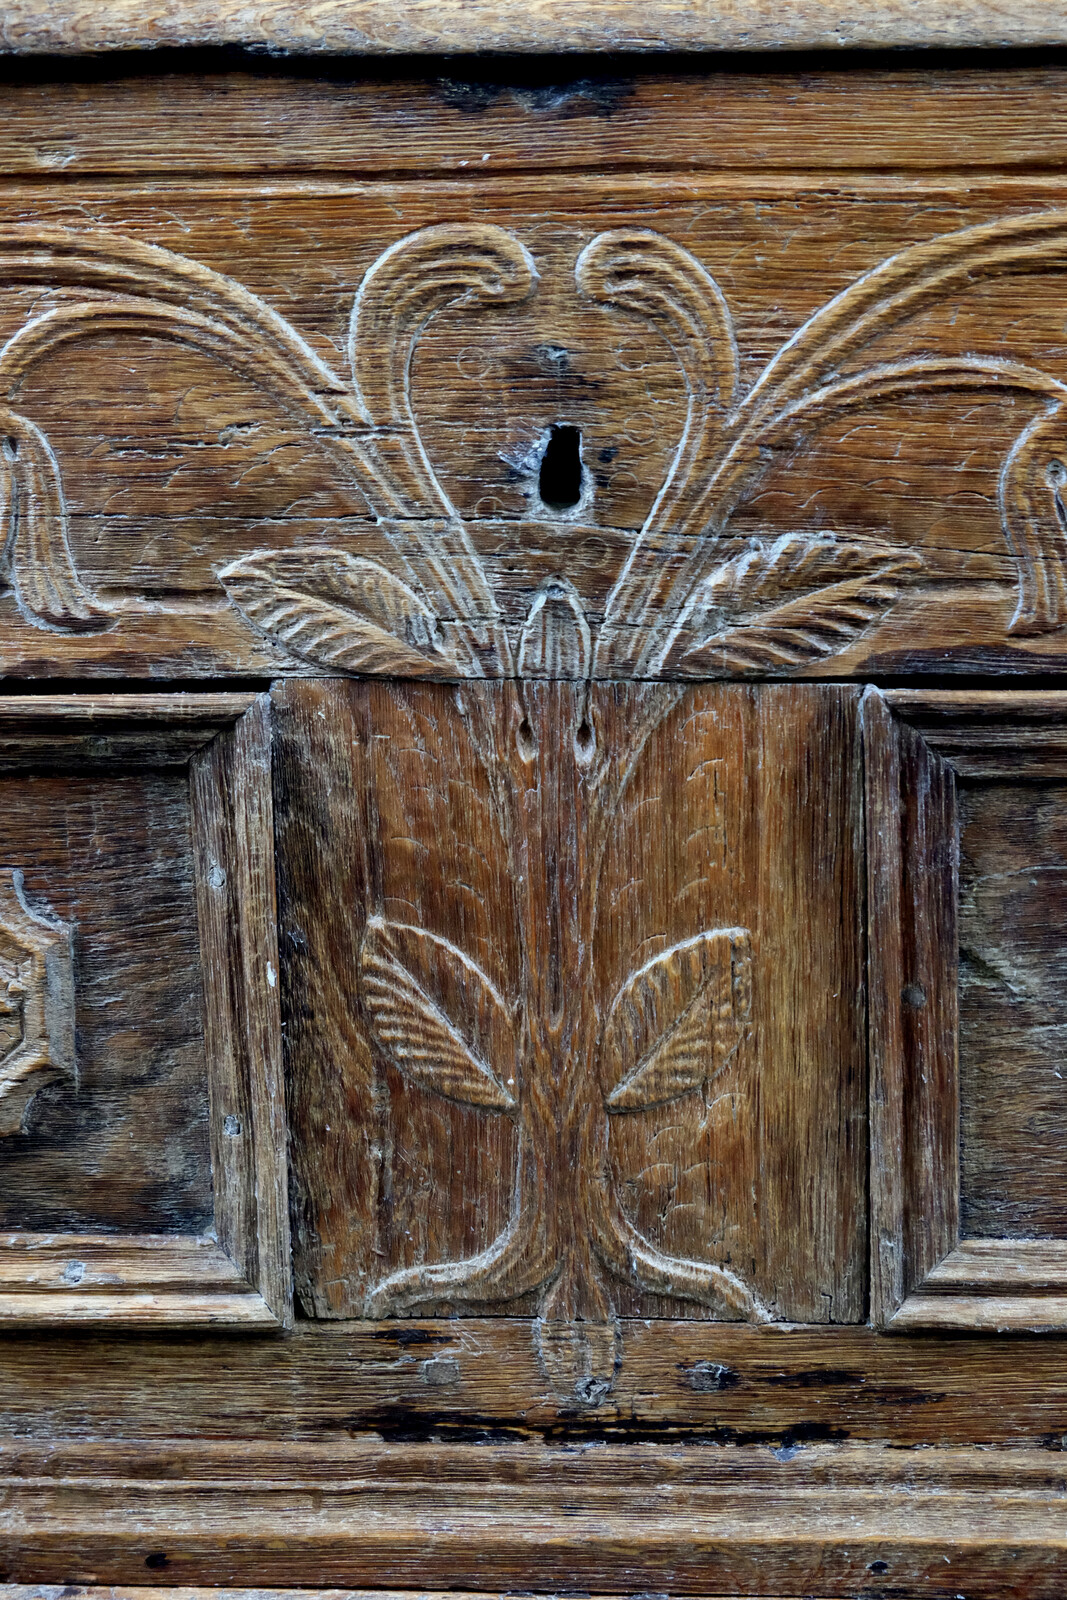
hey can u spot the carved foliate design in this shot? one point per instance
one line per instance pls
(713, 610)
(550, 1061)
(36, 1001)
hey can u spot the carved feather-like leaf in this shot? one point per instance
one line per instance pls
(678, 1020)
(778, 606)
(338, 610)
(436, 1015)
(33, 531)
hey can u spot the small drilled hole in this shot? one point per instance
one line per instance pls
(584, 742)
(560, 481)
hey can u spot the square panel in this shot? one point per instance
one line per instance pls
(141, 1129)
(562, 1044)
(967, 853)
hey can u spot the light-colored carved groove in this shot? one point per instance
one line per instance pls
(413, 985)
(555, 641)
(631, 1258)
(684, 1005)
(520, 1261)
(779, 606)
(648, 276)
(1031, 498)
(338, 610)
(651, 602)
(371, 428)
(33, 525)
(410, 283)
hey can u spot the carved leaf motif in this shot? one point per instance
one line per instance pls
(678, 1020)
(780, 605)
(436, 1015)
(338, 610)
(33, 531)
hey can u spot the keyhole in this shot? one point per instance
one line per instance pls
(560, 481)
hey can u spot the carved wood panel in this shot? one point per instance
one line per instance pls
(669, 1048)
(759, 475)
(555, 1048)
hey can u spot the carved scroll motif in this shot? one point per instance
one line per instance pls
(36, 1001)
(788, 601)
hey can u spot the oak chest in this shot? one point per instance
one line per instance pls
(533, 803)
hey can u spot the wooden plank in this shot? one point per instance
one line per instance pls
(130, 1282)
(120, 1144)
(78, 1591)
(1012, 857)
(372, 27)
(479, 1378)
(105, 1262)
(106, 733)
(497, 1515)
(984, 1311)
(276, 121)
(1008, 1266)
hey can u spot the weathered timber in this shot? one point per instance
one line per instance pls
(446, 27)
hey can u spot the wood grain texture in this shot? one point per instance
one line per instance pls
(819, 1518)
(1012, 863)
(819, 416)
(273, 120)
(912, 958)
(126, 1146)
(486, 946)
(965, 1217)
(372, 27)
(164, 1137)
(233, 830)
(476, 1379)
(17, 1591)
(620, 1003)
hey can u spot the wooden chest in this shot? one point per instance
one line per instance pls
(533, 802)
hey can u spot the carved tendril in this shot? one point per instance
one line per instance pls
(801, 386)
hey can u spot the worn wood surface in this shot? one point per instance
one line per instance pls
(142, 1144)
(373, 27)
(283, 119)
(214, 508)
(818, 1518)
(545, 1056)
(912, 958)
(962, 846)
(1013, 857)
(479, 1378)
(233, 831)
(126, 1146)
(675, 1133)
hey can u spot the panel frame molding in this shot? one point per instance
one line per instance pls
(239, 1273)
(916, 743)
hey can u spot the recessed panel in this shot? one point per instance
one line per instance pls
(1013, 1010)
(119, 1141)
